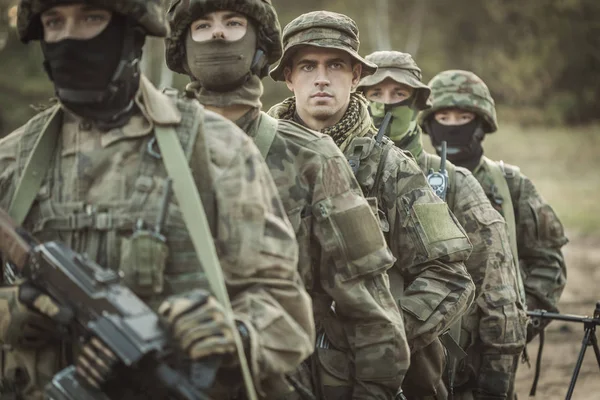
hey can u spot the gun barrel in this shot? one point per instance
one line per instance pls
(563, 317)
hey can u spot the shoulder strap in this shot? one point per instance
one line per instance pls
(267, 128)
(197, 225)
(497, 173)
(35, 169)
(511, 172)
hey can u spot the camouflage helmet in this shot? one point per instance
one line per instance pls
(183, 12)
(321, 29)
(401, 68)
(149, 14)
(464, 90)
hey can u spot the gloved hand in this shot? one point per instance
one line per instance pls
(198, 323)
(29, 318)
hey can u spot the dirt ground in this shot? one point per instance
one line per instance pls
(563, 340)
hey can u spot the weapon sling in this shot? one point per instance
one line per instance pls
(192, 209)
(497, 173)
(267, 128)
(35, 169)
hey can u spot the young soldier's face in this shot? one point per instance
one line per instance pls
(74, 21)
(454, 116)
(322, 80)
(389, 92)
(226, 25)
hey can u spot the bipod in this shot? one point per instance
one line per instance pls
(589, 339)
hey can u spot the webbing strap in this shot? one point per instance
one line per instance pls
(508, 211)
(267, 128)
(197, 225)
(35, 169)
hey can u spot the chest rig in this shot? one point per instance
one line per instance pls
(109, 232)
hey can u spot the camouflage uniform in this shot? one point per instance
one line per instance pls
(103, 183)
(493, 331)
(539, 232)
(343, 255)
(429, 255)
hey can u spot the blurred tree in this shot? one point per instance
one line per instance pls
(540, 57)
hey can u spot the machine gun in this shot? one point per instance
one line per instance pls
(99, 306)
(589, 339)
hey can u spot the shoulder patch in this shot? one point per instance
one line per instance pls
(429, 215)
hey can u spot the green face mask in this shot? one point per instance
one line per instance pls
(403, 118)
(403, 128)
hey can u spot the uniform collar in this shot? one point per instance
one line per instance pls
(154, 107)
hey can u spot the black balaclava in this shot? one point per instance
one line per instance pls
(464, 141)
(98, 78)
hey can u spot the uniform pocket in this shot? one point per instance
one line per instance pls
(504, 299)
(142, 263)
(433, 229)
(351, 237)
(377, 352)
(420, 306)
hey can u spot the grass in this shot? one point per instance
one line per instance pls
(563, 163)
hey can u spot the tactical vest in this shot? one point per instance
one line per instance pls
(113, 233)
(49, 218)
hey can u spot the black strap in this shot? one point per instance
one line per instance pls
(383, 127)
(538, 365)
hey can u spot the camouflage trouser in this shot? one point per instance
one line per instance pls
(325, 375)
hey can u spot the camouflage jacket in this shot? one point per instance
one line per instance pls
(430, 246)
(493, 330)
(102, 183)
(540, 236)
(343, 255)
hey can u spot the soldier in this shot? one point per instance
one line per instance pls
(105, 184)
(321, 66)
(493, 331)
(343, 254)
(462, 113)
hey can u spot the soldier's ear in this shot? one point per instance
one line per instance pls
(287, 74)
(356, 73)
